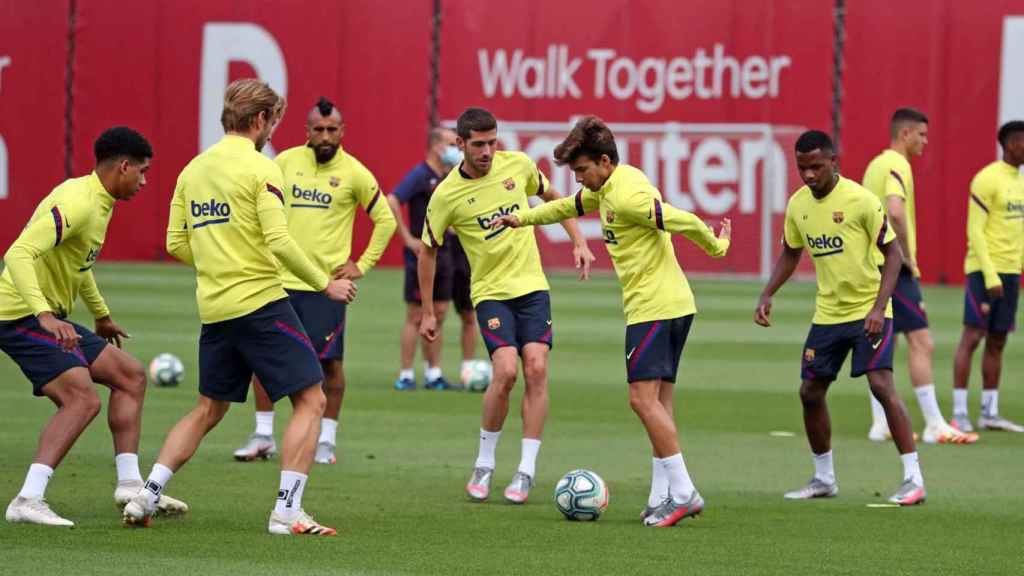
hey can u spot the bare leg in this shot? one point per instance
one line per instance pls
(469, 336)
(645, 400)
(919, 357)
(410, 334)
(303, 428)
(969, 340)
(495, 405)
(188, 433)
(817, 423)
(260, 396)
(895, 412)
(535, 399)
(77, 404)
(992, 360)
(126, 379)
(334, 388)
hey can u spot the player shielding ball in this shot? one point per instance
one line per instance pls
(840, 224)
(657, 300)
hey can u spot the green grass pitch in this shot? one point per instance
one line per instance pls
(396, 494)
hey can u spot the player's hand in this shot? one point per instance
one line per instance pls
(414, 244)
(348, 271)
(995, 292)
(341, 290)
(428, 327)
(874, 324)
(508, 220)
(107, 329)
(65, 333)
(583, 257)
(725, 233)
(764, 309)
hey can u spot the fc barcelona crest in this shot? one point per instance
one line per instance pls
(509, 184)
(610, 216)
(809, 355)
(837, 217)
(494, 323)
(335, 181)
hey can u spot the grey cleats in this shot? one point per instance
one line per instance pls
(479, 486)
(997, 422)
(909, 494)
(519, 489)
(961, 422)
(814, 489)
(669, 512)
(257, 446)
(325, 453)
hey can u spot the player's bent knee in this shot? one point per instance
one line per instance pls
(812, 392)
(311, 398)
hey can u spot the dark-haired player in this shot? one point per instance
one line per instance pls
(509, 289)
(227, 220)
(657, 300)
(840, 224)
(47, 268)
(889, 176)
(323, 188)
(995, 243)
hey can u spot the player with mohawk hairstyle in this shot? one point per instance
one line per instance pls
(323, 188)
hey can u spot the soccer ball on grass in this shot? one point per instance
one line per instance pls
(581, 495)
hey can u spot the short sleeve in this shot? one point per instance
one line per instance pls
(895, 185)
(876, 221)
(791, 236)
(437, 221)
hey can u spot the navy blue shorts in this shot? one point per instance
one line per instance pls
(908, 312)
(1002, 314)
(653, 348)
(442, 277)
(324, 321)
(269, 342)
(38, 353)
(515, 322)
(828, 344)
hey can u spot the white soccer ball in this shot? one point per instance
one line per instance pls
(166, 370)
(581, 495)
(476, 375)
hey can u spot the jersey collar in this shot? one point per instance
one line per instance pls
(99, 191)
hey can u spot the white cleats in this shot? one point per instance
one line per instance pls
(301, 525)
(165, 506)
(257, 446)
(35, 511)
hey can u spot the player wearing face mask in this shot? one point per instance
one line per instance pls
(451, 283)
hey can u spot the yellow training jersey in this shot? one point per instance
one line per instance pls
(889, 174)
(504, 262)
(841, 231)
(995, 223)
(228, 221)
(638, 230)
(50, 263)
(321, 200)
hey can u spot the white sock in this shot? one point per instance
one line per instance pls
(488, 442)
(912, 468)
(929, 404)
(465, 364)
(680, 486)
(877, 413)
(328, 431)
(431, 373)
(265, 423)
(989, 402)
(157, 481)
(127, 467)
(528, 462)
(407, 374)
(960, 401)
(35, 481)
(659, 483)
(289, 494)
(823, 469)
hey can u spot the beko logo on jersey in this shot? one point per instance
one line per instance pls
(317, 198)
(488, 220)
(830, 244)
(218, 212)
(1012, 206)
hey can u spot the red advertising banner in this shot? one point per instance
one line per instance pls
(174, 59)
(33, 55)
(706, 97)
(958, 62)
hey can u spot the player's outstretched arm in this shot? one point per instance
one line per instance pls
(426, 267)
(270, 211)
(784, 268)
(648, 210)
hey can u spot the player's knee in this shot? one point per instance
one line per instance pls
(922, 343)
(312, 399)
(995, 343)
(135, 379)
(811, 393)
(536, 371)
(82, 398)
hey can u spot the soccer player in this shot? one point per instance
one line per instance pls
(451, 279)
(46, 269)
(657, 300)
(889, 176)
(840, 223)
(323, 187)
(509, 289)
(995, 242)
(227, 220)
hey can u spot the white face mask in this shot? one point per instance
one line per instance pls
(451, 156)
